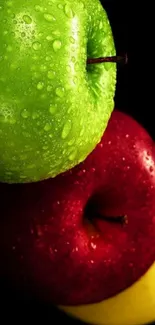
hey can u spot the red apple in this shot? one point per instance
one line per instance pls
(87, 234)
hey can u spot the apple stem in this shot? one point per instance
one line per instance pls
(118, 219)
(115, 59)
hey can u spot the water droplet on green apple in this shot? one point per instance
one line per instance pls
(25, 114)
(66, 129)
(56, 45)
(35, 116)
(52, 109)
(36, 46)
(23, 34)
(108, 66)
(49, 17)
(51, 74)
(100, 25)
(60, 92)
(49, 38)
(60, 6)
(40, 85)
(27, 19)
(72, 40)
(43, 68)
(76, 66)
(47, 127)
(81, 4)
(71, 142)
(73, 59)
(49, 88)
(73, 154)
(68, 11)
(68, 68)
(47, 58)
(37, 8)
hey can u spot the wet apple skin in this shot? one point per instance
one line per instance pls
(134, 306)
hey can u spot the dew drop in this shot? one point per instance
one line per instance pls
(60, 92)
(68, 11)
(100, 25)
(27, 19)
(49, 88)
(38, 8)
(56, 45)
(43, 68)
(66, 129)
(71, 142)
(72, 40)
(47, 58)
(49, 17)
(23, 34)
(52, 109)
(36, 46)
(73, 59)
(73, 154)
(60, 6)
(40, 85)
(49, 38)
(81, 4)
(51, 74)
(25, 114)
(76, 66)
(35, 116)
(47, 127)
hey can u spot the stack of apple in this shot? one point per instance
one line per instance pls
(77, 191)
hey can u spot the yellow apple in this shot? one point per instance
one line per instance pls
(134, 306)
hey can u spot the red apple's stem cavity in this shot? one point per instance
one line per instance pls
(116, 219)
(112, 59)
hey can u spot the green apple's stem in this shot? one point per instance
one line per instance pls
(114, 59)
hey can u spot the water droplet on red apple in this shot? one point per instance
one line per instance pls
(93, 246)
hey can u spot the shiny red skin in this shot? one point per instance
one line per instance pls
(50, 246)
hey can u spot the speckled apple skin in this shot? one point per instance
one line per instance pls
(50, 246)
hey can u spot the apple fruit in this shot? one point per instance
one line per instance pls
(54, 107)
(133, 306)
(89, 233)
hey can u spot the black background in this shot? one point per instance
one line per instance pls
(128, 99)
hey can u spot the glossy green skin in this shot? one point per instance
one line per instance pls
(53, 108)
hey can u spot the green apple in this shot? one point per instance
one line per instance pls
(54, 107)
